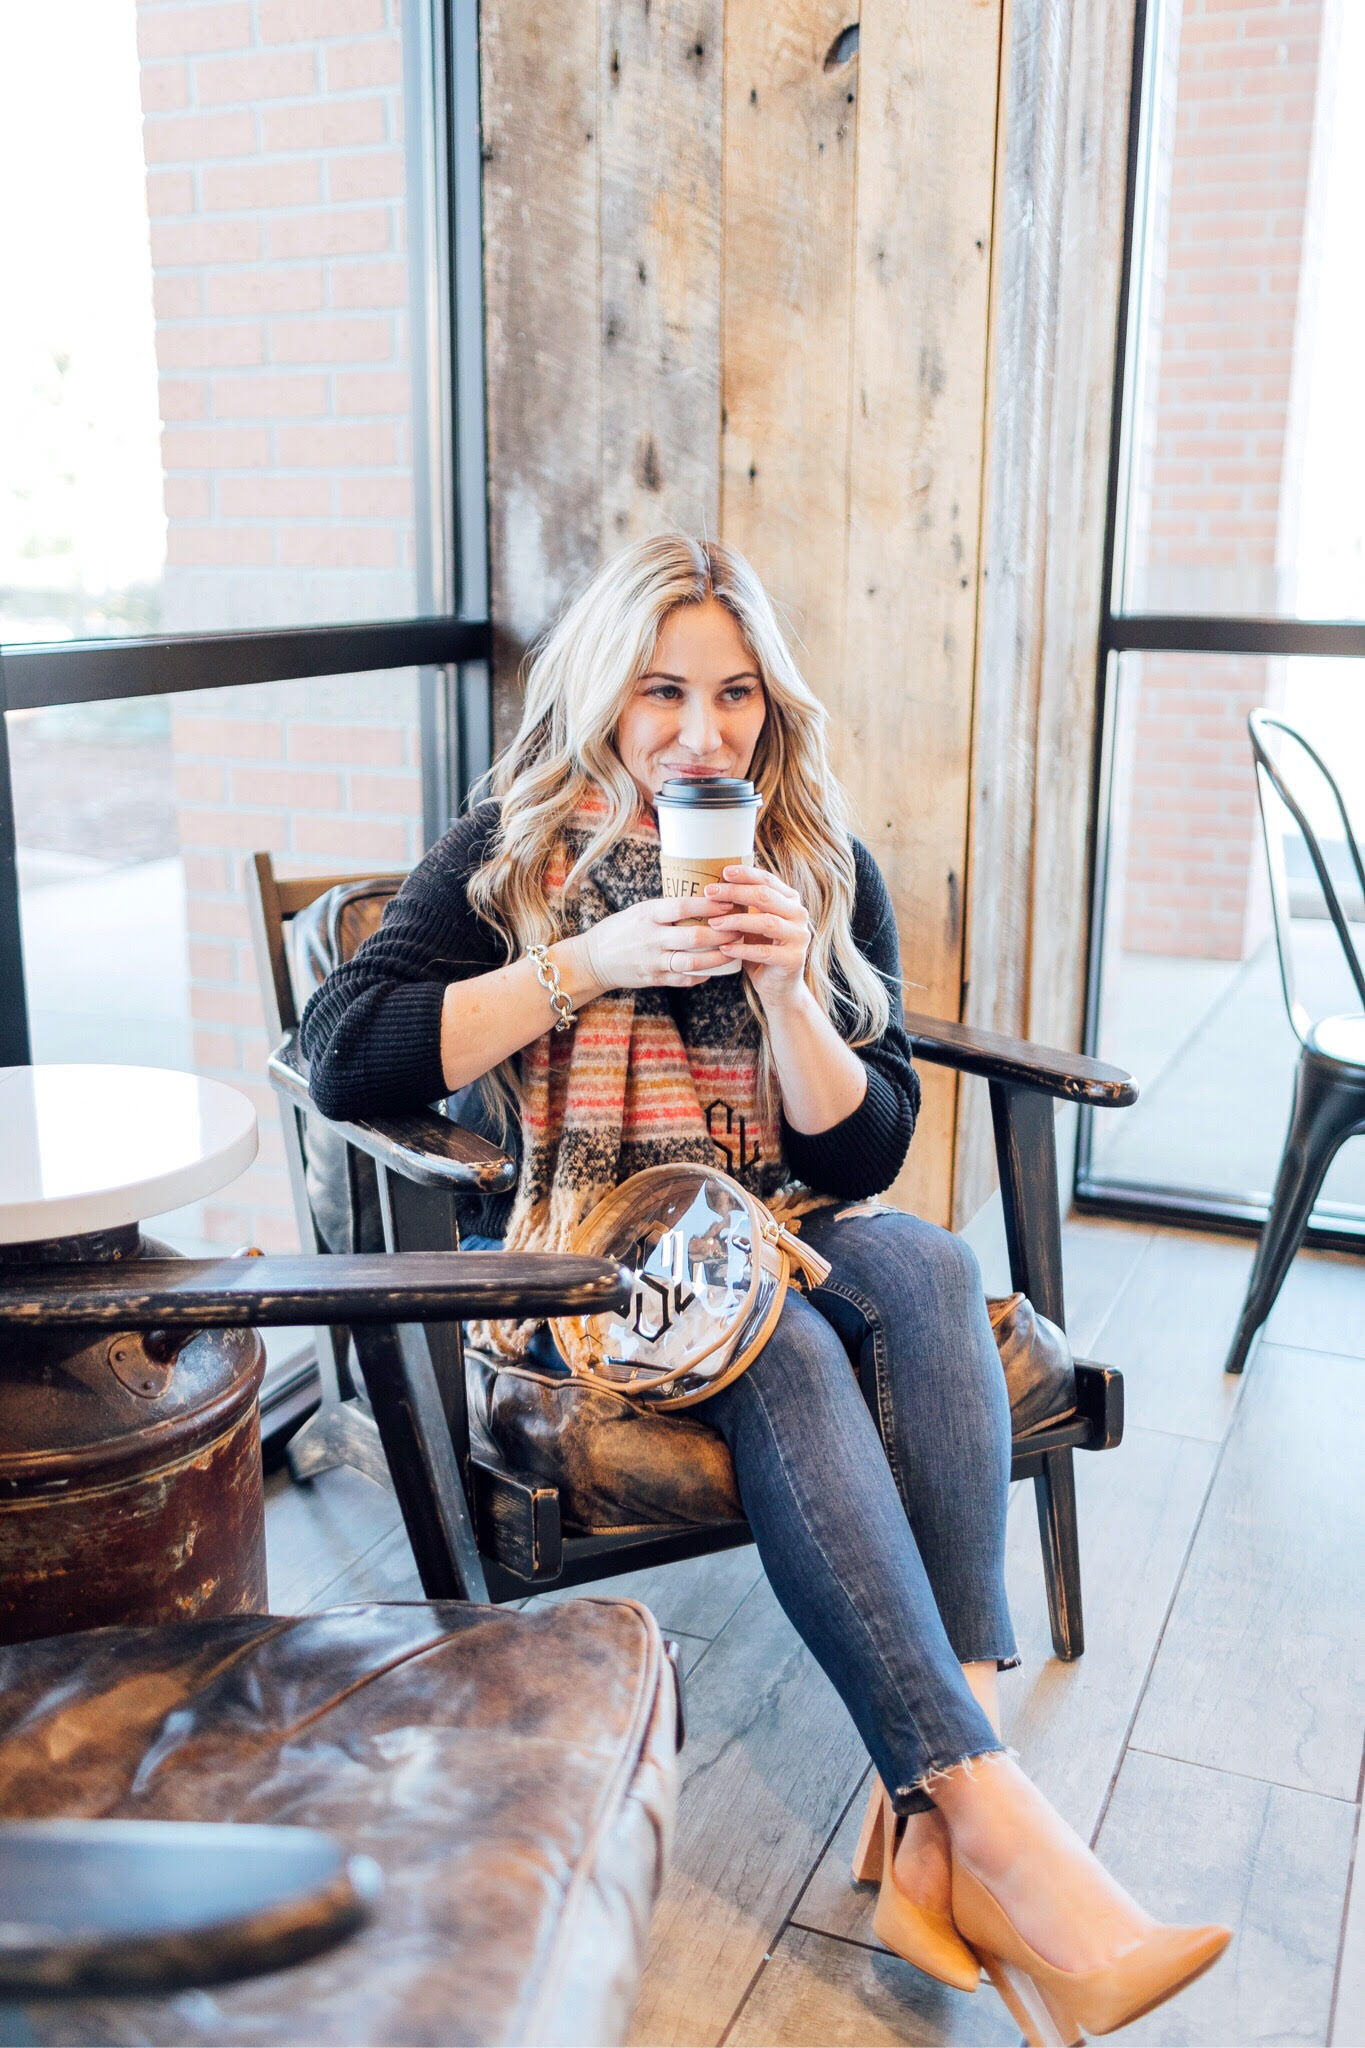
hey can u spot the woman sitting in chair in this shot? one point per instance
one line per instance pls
(883, 1539)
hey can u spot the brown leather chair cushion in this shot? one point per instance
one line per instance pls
(333, 928)
(617, 1467)
(621, 1467)
(513, 1774)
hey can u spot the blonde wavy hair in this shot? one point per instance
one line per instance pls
(579, 680)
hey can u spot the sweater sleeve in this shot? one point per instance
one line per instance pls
(372, 1033)
(863, 1154)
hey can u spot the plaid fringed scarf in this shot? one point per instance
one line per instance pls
(645, 1077)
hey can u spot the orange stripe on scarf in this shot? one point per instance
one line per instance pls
(626, 1087)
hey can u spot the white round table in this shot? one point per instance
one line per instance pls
(96, 1148)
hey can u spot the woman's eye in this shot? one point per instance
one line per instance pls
(663, 693)
(740, 693)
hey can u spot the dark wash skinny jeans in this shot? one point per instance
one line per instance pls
(877, 1496)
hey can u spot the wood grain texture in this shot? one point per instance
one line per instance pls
(1348, 2017)
(1270, 1863)
(1321, 1306)
(1026, 245)
(540, 141)
(1098, 1259)
(366, 1287)
(1072, 1076)
(902, 716)
(733, 289)
(431, 1150)
(697, 1596)
(831, 1902)
(1187, 1839)
(691, 1649)
(1099, 71)
(821, 1993)
(1059, 241)
(385, 1572)
(1169, 1329)
(1099, 1256)
(315, 1533)
(770, 1760)
(1262, 1667)
(1138, 1508)
(790, 149)
(661, 67)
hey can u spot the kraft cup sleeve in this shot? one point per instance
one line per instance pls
(689, 874)
(689, 877)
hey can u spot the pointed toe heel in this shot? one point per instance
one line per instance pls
(1056, 2006)
(920, 1936)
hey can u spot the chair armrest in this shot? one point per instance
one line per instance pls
(386, 1287)
(1068, 1074)
(1096, 1425)
(423, 1147)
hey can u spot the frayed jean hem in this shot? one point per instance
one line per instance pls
(919, 1797)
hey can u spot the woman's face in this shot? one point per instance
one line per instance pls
(699, 708)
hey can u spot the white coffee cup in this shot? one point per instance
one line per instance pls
(706, 824)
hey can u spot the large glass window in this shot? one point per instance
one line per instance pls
(1246, 404)
(206, 388)
(1237, 537)
(1190, 996)
(243, 579)
(134, 821)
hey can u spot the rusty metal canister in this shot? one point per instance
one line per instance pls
(130, 1470)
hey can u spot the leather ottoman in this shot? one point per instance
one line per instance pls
(513, 1774)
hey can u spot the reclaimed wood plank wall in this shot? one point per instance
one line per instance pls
(1059, 242)
(739, 276)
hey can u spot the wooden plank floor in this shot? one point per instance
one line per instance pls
(1210, 1740)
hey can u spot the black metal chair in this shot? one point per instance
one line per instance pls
(1294, 784)
(514, 1542)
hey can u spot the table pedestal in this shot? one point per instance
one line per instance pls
(130, 1463)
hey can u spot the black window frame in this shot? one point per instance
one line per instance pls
(449, 640)
(1123, 632)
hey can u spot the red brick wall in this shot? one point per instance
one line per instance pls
(1215, 460)
(324, 774)
(275, 183)
(273, 138)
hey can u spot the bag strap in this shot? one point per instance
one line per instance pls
(813, 1269)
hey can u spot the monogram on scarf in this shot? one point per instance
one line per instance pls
(646, 1077)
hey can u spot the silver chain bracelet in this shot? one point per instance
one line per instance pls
(547, 974)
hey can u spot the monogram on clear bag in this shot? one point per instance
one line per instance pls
(711, 1265)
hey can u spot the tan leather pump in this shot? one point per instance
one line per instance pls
(927, 1939)
(1057, 2008)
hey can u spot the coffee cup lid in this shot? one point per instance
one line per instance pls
(708, 792)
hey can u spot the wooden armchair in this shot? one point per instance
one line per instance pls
(513, 1540)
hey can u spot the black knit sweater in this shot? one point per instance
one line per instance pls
(372, 1032)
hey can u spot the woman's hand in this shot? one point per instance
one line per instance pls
(762, 922)
(645, 946)
(492, 1017)
(759, 920)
